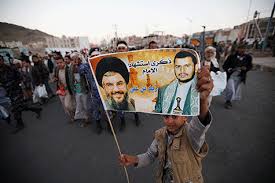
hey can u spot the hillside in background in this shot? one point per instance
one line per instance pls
(12, 32)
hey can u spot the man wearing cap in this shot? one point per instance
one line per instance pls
(236, 67)
(121, 46)
(94, 51)
(113, 76)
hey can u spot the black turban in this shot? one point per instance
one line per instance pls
(111, 64)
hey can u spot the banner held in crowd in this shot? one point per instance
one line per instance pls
(152, 81)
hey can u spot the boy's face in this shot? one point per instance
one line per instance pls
(174, 123)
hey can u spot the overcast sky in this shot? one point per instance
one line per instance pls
(97, 18)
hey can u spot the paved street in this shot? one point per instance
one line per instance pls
(264, 63)
(241, 140)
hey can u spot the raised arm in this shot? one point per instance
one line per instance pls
(198, 126)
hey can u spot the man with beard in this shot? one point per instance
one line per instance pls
(113, 76)
(236, 66)
(123, 47)
(179, 97)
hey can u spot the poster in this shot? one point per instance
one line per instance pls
(152, 81)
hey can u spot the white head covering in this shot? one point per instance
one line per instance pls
(94, 53)
(16, 61)
(213, 58)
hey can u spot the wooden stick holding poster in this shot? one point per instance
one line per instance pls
(117, 144)
(159, 81)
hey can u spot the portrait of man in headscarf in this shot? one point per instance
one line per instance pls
(113, 76)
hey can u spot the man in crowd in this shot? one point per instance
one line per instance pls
(94, 101)
(64, 89)
(27, 81)
(236, 66)
(10, 80)
(123, 47)
(80, 90)
(153, 45)
(68, 69)
(180, 95)
(40, 74)
(179, 147)
(210, 58)
(68, 60)
(50, 66)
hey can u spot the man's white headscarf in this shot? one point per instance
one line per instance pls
(78, 55)
(213, 58)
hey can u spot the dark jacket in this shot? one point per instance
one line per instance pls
(86, 70)
(50, 65)
(213, 68)
(27, 80)
(10, 79)
(233, 62)
(40, 74)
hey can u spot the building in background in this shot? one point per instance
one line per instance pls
(255, 29)
(74, 43)
(249, 32)
(209, 38)
(11, 44)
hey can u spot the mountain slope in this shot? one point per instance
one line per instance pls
(12, 32)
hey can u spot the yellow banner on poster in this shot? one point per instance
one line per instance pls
(153, 81)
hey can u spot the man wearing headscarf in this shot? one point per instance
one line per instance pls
(94, 101)
(210, 58)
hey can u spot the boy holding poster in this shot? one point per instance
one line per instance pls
(179, 146)
(166, 81)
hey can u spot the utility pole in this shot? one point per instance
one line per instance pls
(116, 38)
(256, 14)
(203, 42)
(268, 27)
(190, 34)
(247, 18)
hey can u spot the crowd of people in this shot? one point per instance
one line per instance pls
(22, 81)
(179, 146)
(30, 81)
